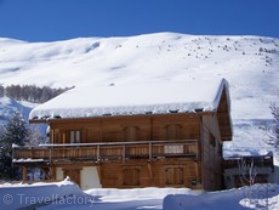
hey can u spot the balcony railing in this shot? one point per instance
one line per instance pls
(108, 151)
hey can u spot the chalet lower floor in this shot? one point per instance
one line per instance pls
(116, 174)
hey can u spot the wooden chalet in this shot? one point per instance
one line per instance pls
(241, 170)
(125, 136)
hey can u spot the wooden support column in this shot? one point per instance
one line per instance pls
(149, 166)
(52, 173)
(98, 166)
(24, 173)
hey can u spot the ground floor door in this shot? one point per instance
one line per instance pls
(174, 176)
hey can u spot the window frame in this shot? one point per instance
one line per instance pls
(75, 136)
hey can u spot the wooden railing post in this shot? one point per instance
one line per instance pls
(150, 150)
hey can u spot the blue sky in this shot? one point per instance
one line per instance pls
(47, 20)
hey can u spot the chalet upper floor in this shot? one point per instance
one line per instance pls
(174, 110)
(119, 120)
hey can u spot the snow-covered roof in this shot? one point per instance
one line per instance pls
(129, 99)
(238, 153)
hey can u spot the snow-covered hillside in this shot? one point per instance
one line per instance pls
(249, 63)
(8, 107)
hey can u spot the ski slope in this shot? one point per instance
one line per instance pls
(249, 63)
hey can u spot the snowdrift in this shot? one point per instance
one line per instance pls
(254, 197)
(24, 196)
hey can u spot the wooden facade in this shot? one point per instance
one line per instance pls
(174, 149)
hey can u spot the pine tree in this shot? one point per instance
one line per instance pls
(15, 132)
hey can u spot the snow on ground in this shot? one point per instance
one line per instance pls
(254, 197)
(66, 195)
(17, 196)
(114, 195)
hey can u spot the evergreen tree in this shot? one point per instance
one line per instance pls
(31, 93)
(15, 132)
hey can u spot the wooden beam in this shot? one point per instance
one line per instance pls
(38, 121)
(118, 117)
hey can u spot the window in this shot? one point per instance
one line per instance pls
(48, 134)
(174, 149)
(35, 174)
(75, 136)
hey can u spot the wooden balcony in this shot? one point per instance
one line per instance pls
(108, 151)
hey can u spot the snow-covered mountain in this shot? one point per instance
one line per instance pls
(249, 63)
